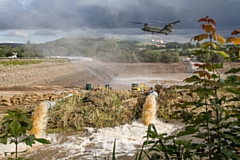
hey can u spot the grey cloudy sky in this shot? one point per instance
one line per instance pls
(45, 20)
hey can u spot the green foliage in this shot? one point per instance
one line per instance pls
(114, 149)
(110, 50)
(158, 56)
(163, 146)
(20, 62)
(15, 126)
(22, 50)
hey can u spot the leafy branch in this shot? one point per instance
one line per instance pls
(15, 126)
(212, 125)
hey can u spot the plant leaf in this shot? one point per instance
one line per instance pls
(235, 32)
(227, 152)
(212, 21)
(234, 40)
(203, 74)
(205, 19)
(114, 150)
(29, 140)
(204, 92)
(219, 38)
(200, 37)
(194, 78)
(15, 128)
(232, 138)
(206, 45)
(209, 28)
(188, 131)
(3, 139)
(233, 70)
(224, 54)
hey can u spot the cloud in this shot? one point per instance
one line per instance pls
(3, 5)
(19, 33)
(106, 17)
(25, 3)
(67, 15)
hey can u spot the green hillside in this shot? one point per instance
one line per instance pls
(107, 50)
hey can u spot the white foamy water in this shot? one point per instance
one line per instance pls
(11, 148)
(99, 142)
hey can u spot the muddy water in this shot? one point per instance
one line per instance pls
(124, 80)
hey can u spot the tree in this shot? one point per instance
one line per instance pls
(236, 41)
(212, 119)
(15, 126)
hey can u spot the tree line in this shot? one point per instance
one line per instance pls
(108, 50)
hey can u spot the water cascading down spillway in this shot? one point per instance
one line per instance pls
(149, 110)
(40, 119)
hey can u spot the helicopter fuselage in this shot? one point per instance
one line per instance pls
(166, 30)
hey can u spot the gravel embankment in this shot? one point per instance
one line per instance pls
(79, 73)
(56, 73)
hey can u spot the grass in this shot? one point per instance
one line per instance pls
(20, 62)
(29, 61)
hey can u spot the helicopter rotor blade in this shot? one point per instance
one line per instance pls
(135, 22)
(175, 22)
(158, 21)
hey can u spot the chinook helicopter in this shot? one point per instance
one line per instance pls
(153, 29)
